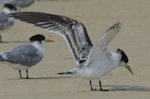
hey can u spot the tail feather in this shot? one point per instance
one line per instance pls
(72, 71)
(2, 58)
(63, 73)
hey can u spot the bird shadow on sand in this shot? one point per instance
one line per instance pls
(112, 88)
(44, 78)
(128, 88)
(59, 77)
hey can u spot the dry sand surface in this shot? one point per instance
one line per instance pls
(97, 15)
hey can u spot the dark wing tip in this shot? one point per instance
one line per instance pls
(42, 19)
(115, 26)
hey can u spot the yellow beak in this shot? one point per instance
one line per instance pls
(49, 40)
(129, 69)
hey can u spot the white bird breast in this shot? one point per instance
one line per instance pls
(97, 69)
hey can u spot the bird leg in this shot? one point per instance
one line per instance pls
(20, 73)
(1, 39)
(27, 77)
(91, 85)
(100, 85)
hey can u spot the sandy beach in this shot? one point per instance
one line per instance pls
(97, 16)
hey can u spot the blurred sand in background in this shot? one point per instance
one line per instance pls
(97, 16)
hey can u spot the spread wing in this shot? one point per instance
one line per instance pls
(73, 31)
(100, 49)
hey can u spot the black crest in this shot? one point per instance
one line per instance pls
(124, 57)
(37, 37)
(12, 7)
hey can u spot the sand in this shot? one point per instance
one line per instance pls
(97, 16)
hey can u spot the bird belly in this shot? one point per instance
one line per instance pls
(91, 73)
(19, 67)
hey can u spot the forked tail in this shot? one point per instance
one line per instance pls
(3, 58)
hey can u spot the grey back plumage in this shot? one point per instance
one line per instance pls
(5, 21)
(6, 1)
(25, 55)
(20, 3)
(3, 17)
(23, 3)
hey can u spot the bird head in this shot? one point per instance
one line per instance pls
(123, 61)
(40, 38)
(9, 8)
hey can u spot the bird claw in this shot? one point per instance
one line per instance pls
(104, 90)
(93, 89)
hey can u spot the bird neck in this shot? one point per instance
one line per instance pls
(38, 45)
(116, 58)
(9, 11)
(6, 10)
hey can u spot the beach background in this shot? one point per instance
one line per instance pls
(97, 16)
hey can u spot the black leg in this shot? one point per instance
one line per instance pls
(1, 39)
(20, 73)
(100, 85)
(27, 77)
(91, 85)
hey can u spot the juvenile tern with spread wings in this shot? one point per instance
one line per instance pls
(93, 62)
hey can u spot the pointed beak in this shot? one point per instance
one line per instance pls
(129, 69)
(49, 40)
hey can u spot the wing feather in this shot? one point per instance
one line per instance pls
(100, 49)
(73, 31)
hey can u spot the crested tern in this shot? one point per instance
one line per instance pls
(93, 61)
(5, 21)
(25, 56)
